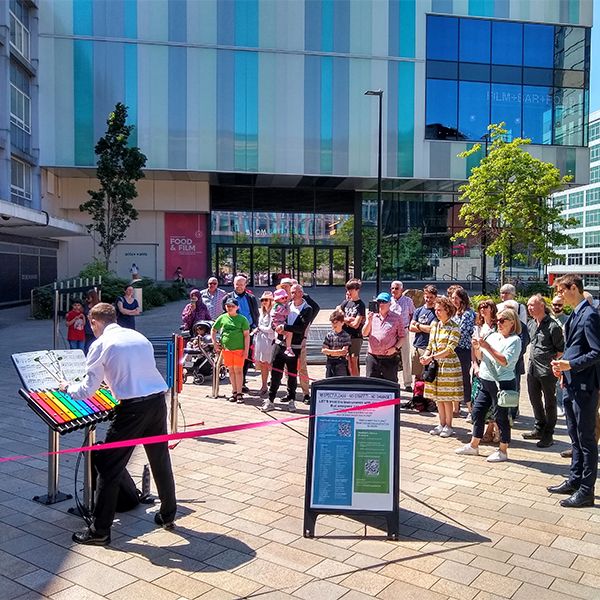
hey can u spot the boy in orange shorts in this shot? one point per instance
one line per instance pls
(234, 344)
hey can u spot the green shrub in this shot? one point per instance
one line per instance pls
(43, 302)
(153, 296)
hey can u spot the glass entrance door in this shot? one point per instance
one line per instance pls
(265, 265)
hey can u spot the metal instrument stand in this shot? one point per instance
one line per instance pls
(53, 494)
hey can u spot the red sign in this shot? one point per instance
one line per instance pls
(185, 245)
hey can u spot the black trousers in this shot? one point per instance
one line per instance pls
(464, 356)
(336, 367)
(580, 410)
(382, 367)
(133, 419)
(248, 362)
(280, 362)
(488, 397)
(544, 412)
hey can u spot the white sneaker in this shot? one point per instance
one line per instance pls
(560, 411)
(291, 406)
(468, 450)
(267, 406)
(437, 430)
(446, 431)
(497, 456)
(469, 418)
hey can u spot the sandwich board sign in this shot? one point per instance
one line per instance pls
(353, 460)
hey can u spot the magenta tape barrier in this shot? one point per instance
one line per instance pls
(158, 439)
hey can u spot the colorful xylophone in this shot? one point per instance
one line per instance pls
(64, 414)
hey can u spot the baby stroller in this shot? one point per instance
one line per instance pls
(199, 357)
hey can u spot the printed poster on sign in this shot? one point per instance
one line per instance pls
(353, 452)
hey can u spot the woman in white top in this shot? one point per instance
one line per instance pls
(264, 336)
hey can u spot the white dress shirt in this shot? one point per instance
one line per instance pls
(124, 359)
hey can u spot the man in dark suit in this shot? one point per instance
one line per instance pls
(579, 369)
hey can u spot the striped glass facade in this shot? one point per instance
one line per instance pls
(264, 99)
(252, 86)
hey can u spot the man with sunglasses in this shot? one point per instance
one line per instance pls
(547, 344)
(404, 306)
(213, 296)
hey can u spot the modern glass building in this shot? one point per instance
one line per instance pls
(583, 204)
(261, 143)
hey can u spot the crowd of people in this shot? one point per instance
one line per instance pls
(461, 362)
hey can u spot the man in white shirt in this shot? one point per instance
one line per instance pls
(124, 360)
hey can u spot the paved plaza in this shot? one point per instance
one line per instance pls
(470, 530)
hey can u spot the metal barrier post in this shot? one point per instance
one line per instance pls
(177, 379)
(216, 381)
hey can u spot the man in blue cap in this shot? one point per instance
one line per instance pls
(385, 331)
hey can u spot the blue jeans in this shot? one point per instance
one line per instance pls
(76, 344)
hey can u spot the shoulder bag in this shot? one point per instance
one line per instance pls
(430, 371)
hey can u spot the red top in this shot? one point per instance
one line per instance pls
(75, 331)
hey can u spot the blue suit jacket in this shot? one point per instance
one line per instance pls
(582, 350)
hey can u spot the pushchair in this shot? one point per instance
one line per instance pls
(199, 356)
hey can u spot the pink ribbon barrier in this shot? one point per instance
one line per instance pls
(158, 439)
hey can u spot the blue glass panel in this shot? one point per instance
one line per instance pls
(537, 114)
(442, 69)
(442, 38)
(507, 43)
(475, 40)
(505, 74)
(474, 72)
(473, 110)
(441, 103)
(538, 45)
(506, 106)
(533, 76)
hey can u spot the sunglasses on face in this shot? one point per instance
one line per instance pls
(501, 320)
(265, 300)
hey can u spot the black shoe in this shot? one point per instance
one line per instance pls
(578, 500)
(545, 442)
(306, 399)
(567, 453)
(245, 389)
(563, 488)
(287, 399)
(158, 519)
(532, 435)
(408, 388)
(90, 538)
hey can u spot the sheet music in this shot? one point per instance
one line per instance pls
(43, 369)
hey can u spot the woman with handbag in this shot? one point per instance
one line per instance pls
(498, 353)
(445, 386)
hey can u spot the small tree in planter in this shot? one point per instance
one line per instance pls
(119, 167)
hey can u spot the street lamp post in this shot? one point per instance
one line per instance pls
(378, 93)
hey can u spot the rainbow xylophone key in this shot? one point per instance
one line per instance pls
(64, 414)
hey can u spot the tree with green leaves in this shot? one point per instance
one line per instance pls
(508, 206)
(119, 166)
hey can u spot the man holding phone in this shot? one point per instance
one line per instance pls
(385, 331)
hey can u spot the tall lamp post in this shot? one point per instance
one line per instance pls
(378, 93)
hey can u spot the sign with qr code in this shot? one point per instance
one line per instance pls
(352, 458)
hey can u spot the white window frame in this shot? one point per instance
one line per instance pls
(21, 36)
(23, 120)
(21, 188)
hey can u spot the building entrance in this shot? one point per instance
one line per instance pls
(265, 265)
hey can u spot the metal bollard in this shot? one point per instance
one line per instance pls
(216, 382)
